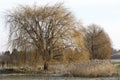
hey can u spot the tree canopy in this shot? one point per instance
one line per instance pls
(46, 28)
(98, 42)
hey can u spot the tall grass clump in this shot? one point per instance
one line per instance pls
(92, 68)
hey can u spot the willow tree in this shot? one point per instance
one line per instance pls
(80, 52)
(97, 42)
(45, 28)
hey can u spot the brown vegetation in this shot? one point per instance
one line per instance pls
(92, 68)
(45, 29)
(97, 42)
(42, 35)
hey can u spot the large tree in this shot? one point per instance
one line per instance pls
(45, 28)
(97, 42)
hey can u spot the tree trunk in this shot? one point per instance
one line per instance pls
(45, 66)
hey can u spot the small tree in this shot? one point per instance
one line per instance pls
(97, 42)
(45, 28)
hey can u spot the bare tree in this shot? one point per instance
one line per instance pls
(97, 42)
(45, 28)
(80, 51)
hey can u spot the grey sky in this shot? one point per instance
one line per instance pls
(105, 13)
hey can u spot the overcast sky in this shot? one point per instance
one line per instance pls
(105, 13)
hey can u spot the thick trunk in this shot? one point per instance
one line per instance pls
(46, 58)
(45, 66)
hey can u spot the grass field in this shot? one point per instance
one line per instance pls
(116, 63)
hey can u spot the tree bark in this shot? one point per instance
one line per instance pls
(45, 66)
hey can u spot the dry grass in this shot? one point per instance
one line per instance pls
(93, 68)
